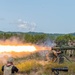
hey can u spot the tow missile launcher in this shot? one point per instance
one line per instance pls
(64, 48)
(62, 55)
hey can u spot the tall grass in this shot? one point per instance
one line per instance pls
(71, 69)
(42, 67)
(34, 65)
(28, 66)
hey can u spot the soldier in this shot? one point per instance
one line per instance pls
(52, 55)
(9, 68)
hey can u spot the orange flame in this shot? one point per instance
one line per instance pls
(9, 48)
(17, 49)
(17, 46)
(22, 48)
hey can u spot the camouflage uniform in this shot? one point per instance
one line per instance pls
(9, 69)
(51, 56)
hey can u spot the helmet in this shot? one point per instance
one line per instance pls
(10, 59)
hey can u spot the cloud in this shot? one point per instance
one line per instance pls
(22, 24)
(26, 25)
(32, 26)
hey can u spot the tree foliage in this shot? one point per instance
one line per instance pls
(63, 40)
(38, 38)
(26, 37)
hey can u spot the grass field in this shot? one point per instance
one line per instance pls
(33, 64)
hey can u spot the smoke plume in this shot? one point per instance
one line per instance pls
(24, 25)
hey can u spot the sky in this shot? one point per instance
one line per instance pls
(47, 16)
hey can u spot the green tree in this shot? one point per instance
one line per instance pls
(63, 40)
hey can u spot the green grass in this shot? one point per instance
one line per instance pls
(42, 67)
(28, 66)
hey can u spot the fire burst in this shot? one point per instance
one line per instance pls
(21, 48)
(15, 46)
(9, 48)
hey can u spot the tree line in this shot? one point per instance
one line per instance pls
(61, 40)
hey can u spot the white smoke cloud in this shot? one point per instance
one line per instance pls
(21, 24)
(26, 25)
(4, 57)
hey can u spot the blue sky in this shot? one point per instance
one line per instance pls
(48, 16)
